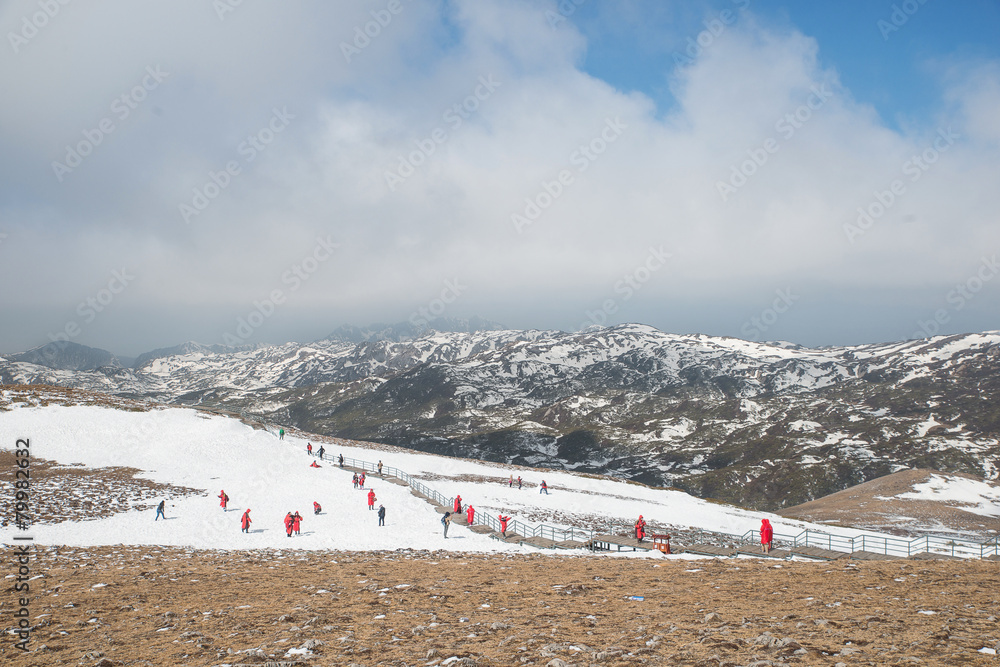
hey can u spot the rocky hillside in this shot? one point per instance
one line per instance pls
(764, 425)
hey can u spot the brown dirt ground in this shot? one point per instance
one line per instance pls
(862, 506)
(168, 606)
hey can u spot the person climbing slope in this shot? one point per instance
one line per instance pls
(245, 521)
(159, 511)
(223, 500)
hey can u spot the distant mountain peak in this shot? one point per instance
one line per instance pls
(67, 356)
(403, 331)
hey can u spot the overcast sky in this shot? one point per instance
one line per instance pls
(824, 175)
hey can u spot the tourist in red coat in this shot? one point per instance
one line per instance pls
(361, 481)
(289, 521)
(458, 505)
(503, 524)
(223, 499)
(245, 521)
(640, 529)
(766, 536)
(371, 499)
(316, 508)
(470, 514)
(296, 520)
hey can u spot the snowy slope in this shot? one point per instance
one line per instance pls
(187, 448)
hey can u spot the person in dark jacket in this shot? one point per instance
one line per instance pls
(446, 521)
(340, 460)
(381, 515)
(320, 452)
(159, 511)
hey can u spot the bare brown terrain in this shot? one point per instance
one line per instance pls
(157, 606)
(872, 506)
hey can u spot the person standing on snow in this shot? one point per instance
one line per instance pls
(381, 515)
(223, 499)
(296, 520)
(288, 523)
(340, 460)
(470, 514)
(309, 448)
(371, 499)
(320, 452)
(544, 489)
(766, 536)
(510, 483)
(245, 521)
(159, 511)
(361, 481)
(519, 482)
(380, 467)
(503, 524)
(458, 505)
(355, 480)
(446, 521)
(281, 434)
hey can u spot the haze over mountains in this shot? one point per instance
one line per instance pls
(767, 425)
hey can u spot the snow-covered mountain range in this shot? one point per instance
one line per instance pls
(763, 424)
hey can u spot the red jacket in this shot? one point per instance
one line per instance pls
(296, 520)
(288, 521)
(458, 504)
(371, 498)
(245, 521)
(223, 499)
(470, 514)
(766, 532)
(503, 522)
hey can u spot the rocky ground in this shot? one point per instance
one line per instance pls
(156, 606)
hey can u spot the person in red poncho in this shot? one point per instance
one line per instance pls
(470, 514)
(766, 536)
(361, 481)
(503, 524)
(245, 521)
(289, 520)
(316, 508)
(315, 465)
(457, 509)
(640, 529)
(223, 499)
(296, 520)
(371, 499)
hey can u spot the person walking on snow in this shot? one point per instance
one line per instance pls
(519, 482)
(503, 524)
(288, 523)
(458, 505)
(296, 520)
(766, 536)
(446, 521)
(309, 448)
(470, 514)
(223, 499)
(281, 434)
(544, 489)
(510, 482)
(316, 508)
(371, 499)
(640, 529)
(380, 467)
(245, 521)
(361, 481)
(159, 511)
(320, 452)
(381, 515)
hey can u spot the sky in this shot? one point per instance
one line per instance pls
(248, 172)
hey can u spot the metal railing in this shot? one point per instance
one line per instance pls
(881, 544)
